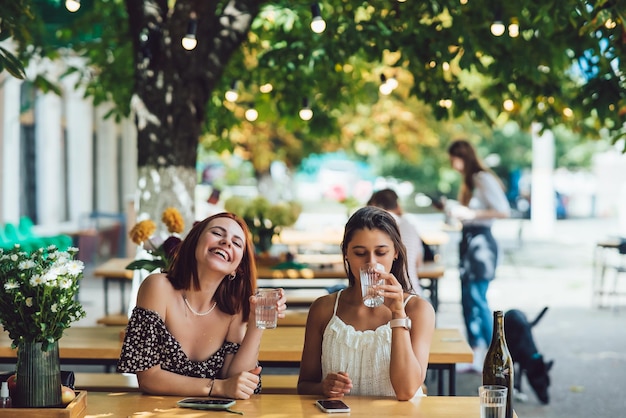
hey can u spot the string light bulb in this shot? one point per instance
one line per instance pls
(251, 114)
(514, 28)
(305, 113)
(497, 27)
(72, 5)
(385, 87)
(318, 24)
(232, 95)
(190, 41)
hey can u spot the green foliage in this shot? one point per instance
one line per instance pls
(565, 68)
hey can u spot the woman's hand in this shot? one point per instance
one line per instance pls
(336, 385)
(393, 293)
(240, 386)
(282, 303)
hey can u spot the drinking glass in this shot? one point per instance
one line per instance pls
(266, 312)
(492, 401)
(370, 280)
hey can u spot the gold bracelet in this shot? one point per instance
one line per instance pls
(210, 385)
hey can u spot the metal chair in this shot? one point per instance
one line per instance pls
(615, 292)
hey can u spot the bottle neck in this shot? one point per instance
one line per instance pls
(498, 326)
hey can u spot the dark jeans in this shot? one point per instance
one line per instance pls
(478, 258)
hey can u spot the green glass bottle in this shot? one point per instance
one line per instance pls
(498, 365)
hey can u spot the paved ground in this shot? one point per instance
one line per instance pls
(587, 344)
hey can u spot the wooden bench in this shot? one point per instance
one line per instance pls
(118, 382)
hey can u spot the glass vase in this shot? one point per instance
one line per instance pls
(38, 376)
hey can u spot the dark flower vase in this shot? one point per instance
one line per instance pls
(263, 241)
(38, 376)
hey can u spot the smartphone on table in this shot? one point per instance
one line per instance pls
(332, 405)
(203, 403)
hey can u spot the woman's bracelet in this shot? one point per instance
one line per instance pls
(210, 386)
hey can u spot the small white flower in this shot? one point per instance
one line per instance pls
(65, 283)
(29, 302)
(75, 267)
(53, 308)
(36, 280)
(14, 257)
(26, 265)
(11, 285)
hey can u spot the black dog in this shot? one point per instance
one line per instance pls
(526, 357)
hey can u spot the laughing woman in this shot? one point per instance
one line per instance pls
(188, 334)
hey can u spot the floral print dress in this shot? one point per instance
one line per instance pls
(148, 343)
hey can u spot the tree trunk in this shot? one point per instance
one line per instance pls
(162, 187)
(172, 89)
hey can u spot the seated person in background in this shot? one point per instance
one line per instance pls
(350, 348)
(188, 335)
(388, 199)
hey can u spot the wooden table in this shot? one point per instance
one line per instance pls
(279, 406)
(280, 347)
(114, 270)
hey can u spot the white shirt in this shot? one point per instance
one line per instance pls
(364, 355)
(414, 249)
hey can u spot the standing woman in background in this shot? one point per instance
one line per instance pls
(482, 200)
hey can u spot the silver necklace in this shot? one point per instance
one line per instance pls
(196, 313)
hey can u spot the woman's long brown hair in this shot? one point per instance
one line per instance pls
(472, 164)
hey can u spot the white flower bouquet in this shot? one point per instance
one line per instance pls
(38, 293)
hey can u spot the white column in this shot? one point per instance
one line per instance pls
(50, 147)
(10, 149)
(107, 169)
(129, 175)
(543, 210)
(129, 159)
(80, 132)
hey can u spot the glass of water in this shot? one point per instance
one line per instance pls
(492, 401)
(266, 312)
(370, 280)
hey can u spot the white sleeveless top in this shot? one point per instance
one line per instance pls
(364, 355)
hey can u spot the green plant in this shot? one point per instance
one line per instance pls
(38, 293)
(263, 218)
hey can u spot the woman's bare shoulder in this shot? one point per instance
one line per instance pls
(154, 290)
(421, 305)
(322, 309)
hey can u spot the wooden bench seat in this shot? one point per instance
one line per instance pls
(118, 382)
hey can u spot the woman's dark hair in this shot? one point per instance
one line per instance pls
(231, 295)
(472, 164)
(372, 217)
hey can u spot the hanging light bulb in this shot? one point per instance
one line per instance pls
(305, 113)
(497, 27)
(514, 28)
(393, 83)
(266, 88)
(190, 41)
(318, 25)
(251, 114)
(385, 86)
(72, 5)
(232, 95)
